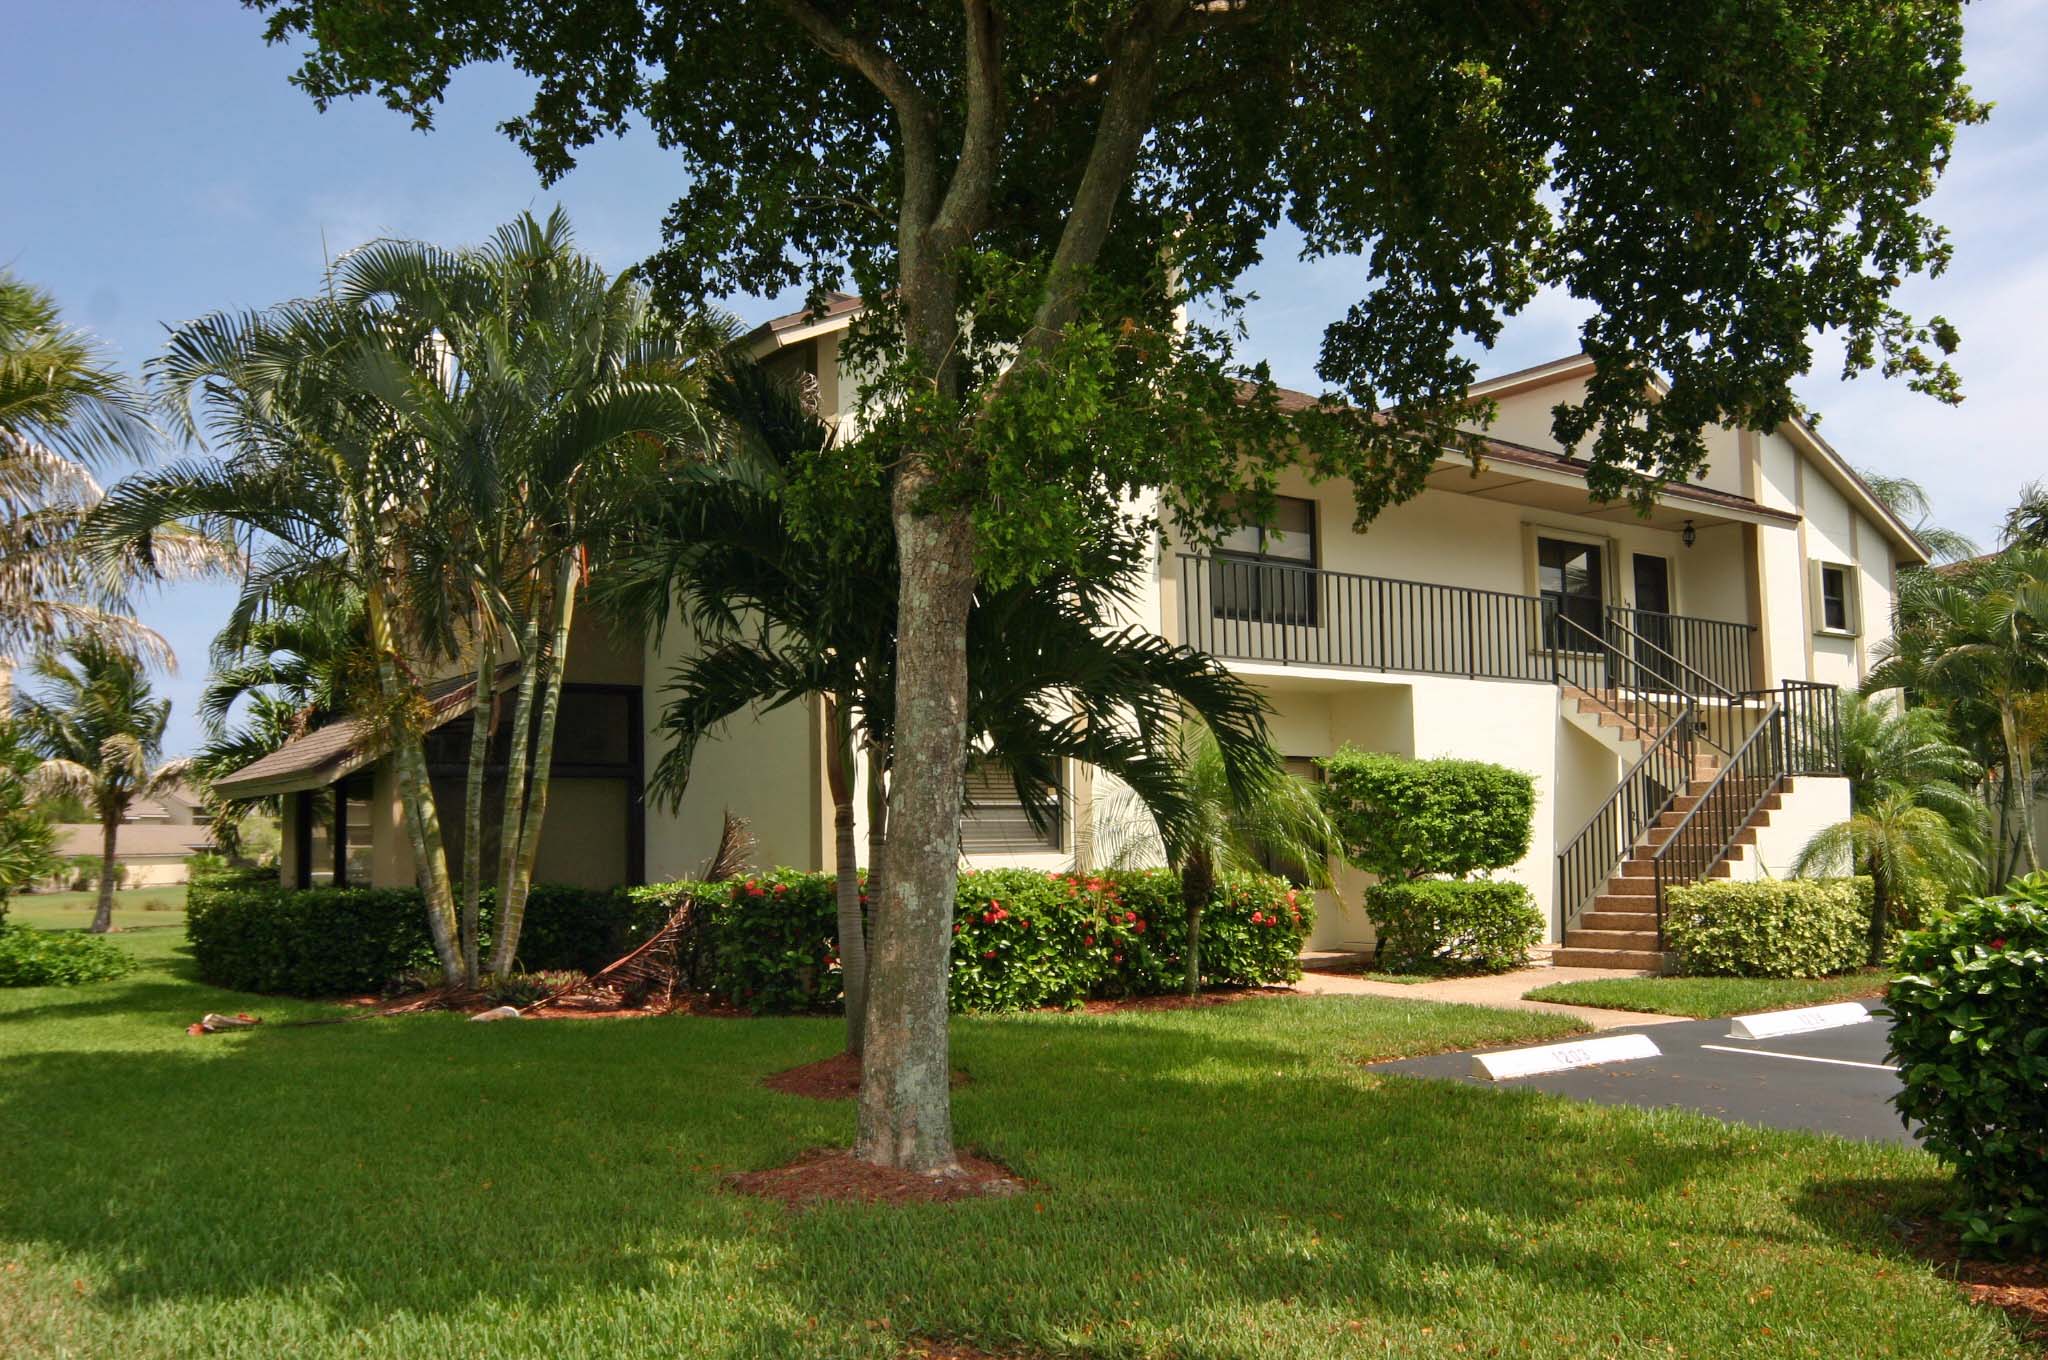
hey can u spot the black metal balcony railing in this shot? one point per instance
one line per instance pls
(1268, 611)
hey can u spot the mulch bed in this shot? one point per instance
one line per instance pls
(836, 1175)
(833, 1078)
(2018, 1287)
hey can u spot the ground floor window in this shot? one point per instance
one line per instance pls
(995, 820)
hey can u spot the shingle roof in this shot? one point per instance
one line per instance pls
(327, 753)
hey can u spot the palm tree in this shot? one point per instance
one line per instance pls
(1973, 642)
(788, 615)
(448, 436)
(2026, 524)
(304, 663)
(560, 399)
(65, 413)
(28, 842)
(1270, 819)
(100, 730)
(1913, 817)
(1897, 841)
(1908, 500)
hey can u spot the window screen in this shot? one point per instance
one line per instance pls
(995, 821)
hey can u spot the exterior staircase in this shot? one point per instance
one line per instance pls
(1619, 928)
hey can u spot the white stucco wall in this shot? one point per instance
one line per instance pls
(1809, 804)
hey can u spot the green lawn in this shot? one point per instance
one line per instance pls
(1220, 1182)
(1711, 996)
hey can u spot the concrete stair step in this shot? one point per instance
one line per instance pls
(1608, 958)
(1619, 920)
(1611, 939)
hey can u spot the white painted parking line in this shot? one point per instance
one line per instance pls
(1800, 1057)
(1805, 1020)
(1531, 1062)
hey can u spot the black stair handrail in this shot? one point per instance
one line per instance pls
(1611, 662)
(1719, 710)
(1596, 850)
(1709, 828)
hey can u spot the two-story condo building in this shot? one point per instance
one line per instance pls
(1668, 678)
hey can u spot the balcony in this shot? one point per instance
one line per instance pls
(1300, 616)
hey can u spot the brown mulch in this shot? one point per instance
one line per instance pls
(2018, 1287)
(836, 1174)
(833, 1078)
(1180, 1001)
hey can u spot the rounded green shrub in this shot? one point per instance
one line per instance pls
(1453, 925)
(1784, 928)
(1970, 1038)
(53, 958)
(1402, 818)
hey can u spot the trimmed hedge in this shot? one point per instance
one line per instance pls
(1970, 1037)
(1022, 938)
(1791, 927)
(251, 934)
(1453, 925)
(1402, 818)
(50, 958)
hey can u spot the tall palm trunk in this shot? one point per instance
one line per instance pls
(480, 724)
(1197, 885)
(853, 948)
(512, 901)
(416, 790)
(878, 815)
(2020, 761)
(1880, 912)
(905, 1107)
(103, 913)
(512, 816)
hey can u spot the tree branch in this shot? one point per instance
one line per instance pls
(967, 196)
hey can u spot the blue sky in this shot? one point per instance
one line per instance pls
(160, 167)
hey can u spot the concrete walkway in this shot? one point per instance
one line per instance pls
(1503, 990)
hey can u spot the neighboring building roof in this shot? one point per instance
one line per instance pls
(791, 327)
(342, 747)
(1833, 466)
(135, 840)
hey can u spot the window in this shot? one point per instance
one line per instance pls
(1267, 575)
(1568, 576)
(995, 821)
(1834, 597)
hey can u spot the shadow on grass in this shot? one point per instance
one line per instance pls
(427, 1165)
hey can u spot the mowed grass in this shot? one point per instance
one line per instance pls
(1222, 1182)
(1704, 997)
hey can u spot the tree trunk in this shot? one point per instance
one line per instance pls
(480, 724)
(416, 789)
(2021, 762)
(1197, 884)
(878, 815)
(905, 1097)
(853, 948)
(1880, 913)
(512, 903)
(110, 872)
(512, 816)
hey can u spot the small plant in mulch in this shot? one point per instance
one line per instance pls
(835, 1175)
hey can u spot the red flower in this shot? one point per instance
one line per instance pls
(781, 888)
(1998, 943)
(1116, 958)
(1257, 919)
(1088, 940)
(1129, 917)
(956, 927)
(1140, 927)
(753, 891)
(988, 953)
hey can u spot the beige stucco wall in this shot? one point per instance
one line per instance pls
(1809, 804)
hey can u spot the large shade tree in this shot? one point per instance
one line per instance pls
(1028, 193)
(98, 725)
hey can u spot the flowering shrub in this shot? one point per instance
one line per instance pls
(1021, 938)
(1970, 1037)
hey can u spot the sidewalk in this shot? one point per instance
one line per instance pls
(1502, 990)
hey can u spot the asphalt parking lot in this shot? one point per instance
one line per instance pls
(1831, 1081)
